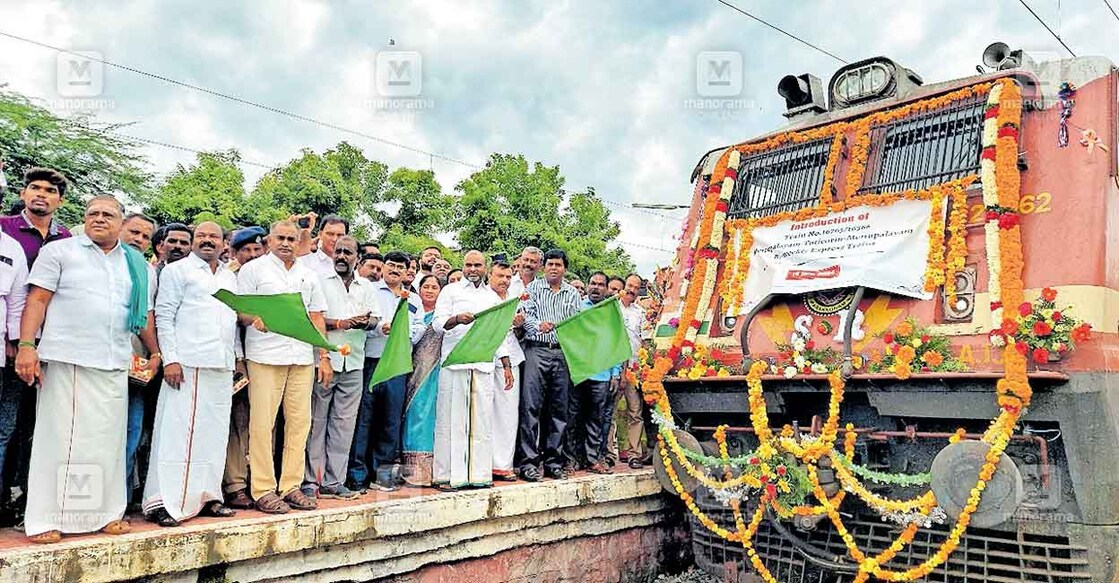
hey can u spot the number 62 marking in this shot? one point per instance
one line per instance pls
(1029, 204)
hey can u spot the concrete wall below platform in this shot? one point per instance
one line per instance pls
(630, 556)
(556, 529)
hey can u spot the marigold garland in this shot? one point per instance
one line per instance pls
(829, 169)
(957, 242)
(1001, 183)
(935, 264)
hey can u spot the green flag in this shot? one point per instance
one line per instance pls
(486, 333)
(397, 357)
(594, 340)
(283, 314)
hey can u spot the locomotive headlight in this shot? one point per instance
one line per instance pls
(865, 82)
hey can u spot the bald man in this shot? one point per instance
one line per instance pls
(464, 406)
(200, 347)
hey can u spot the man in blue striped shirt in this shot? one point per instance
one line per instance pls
(588, 419)
(547, 381)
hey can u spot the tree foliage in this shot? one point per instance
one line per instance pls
(510, 205)
(339, 181)
(422, 208)
(93, 159)
(213, 189)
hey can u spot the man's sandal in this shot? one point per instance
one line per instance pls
(46, 538)
(217, 509)
(117, 527)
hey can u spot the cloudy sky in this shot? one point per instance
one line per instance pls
(604, 89)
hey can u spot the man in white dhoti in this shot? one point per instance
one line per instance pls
(197, 334)
(506, 402)
(89, 293)
(464, 406)
(351, 308)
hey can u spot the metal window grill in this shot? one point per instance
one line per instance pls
(987, 556)
(926, 149)
(786, 179)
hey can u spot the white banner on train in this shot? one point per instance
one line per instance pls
(883, 248)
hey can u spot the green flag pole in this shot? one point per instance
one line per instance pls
(594, 340)
(283, 314)
(397, 356)
(485, 335)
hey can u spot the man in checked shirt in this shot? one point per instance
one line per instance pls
(547, 382)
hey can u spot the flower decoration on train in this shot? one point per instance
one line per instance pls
(910, 348)
(702, 362)
(803, 356)
(1042, 331)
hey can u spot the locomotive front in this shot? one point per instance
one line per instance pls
(885, 347)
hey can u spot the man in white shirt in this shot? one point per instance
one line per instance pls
(89, 294)
(281, 372)
(375, 453)
(351, 309)
(198, 336)
(506, 403)
(13, 296)
(322, 260)
(530, 261)
(636, 410)
(464, 406)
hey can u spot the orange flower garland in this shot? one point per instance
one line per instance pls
(860, 152)
(957, 242)
(1014, 389)
(934, 272)
(829, 170)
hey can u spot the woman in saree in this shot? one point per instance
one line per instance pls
(419, 403)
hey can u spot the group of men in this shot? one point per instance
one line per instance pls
(97, 332)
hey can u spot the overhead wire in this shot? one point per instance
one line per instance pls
(244, 101)
(1113, 13)
(782, 31)
(289, 114)
(1046, 25)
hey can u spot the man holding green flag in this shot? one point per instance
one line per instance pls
(589, 340)
(281, 371)
(464, 407)
(375, 453)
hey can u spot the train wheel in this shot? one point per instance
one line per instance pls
(686, 441)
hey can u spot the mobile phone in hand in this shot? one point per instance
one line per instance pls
(303, 222)
(240, 381)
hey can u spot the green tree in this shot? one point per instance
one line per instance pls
(213, 189)
(340, 181)
(422, 208)
(93, 159)
(588, 230)
(510, 205)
